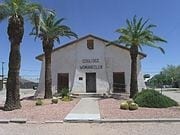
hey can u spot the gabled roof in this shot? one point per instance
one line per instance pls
(39, 57)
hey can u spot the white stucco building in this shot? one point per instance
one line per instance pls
(87, 65)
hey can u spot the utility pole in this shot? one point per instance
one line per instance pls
(2, 73)
(161, 81)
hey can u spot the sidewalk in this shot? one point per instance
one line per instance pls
(86, 109)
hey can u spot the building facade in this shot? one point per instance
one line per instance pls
(88, 65)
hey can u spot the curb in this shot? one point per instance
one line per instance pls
(32, 122)
(24, 121)
(123, 120)
(53, 122)
(138, 120)
(4, 121)
(20, 121)
(83, 121)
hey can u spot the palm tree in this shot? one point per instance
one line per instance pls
(137, 34)
(50, 30)
(15, 11)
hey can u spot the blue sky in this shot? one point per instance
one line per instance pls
(102, 18)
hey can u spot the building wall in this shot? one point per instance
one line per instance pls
(118, 60)
(84, 53)
(70, 60)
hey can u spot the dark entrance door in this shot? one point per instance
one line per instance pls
(62, 81)
(91, 82)
(118, 82)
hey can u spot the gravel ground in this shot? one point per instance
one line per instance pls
(42, 113)
(109, 109)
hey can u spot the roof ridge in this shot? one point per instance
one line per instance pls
(39, 57)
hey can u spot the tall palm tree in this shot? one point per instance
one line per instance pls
(15, 11)
(50, 30)
(137, 34)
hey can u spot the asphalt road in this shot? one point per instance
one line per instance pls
(173, 94)
(91, 129)
(23, 93)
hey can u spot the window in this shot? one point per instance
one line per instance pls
(90, 44)
(62, 81)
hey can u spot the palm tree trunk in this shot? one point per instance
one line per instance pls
(133, 84)
(47, 47)
(15, 33)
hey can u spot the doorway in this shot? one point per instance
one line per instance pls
(91, 82)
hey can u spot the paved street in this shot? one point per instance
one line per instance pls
(173, 94)
(23, 93)
(91, 129)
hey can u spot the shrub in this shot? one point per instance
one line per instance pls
(129, 104)
(66, 98)
(124, 105)
(64, 92)
(153, 99)
(133, 106)
(130, 101)
(39, 102)
(54, 100)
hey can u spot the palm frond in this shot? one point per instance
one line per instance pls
(153, 45)
(4, 11)
(143, 25)
(139, 33)
(156, 38)
(32, 8)
(59, 21)
(51, 28)
(129, 25)
(139, 23)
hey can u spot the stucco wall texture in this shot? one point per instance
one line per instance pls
(73, 59)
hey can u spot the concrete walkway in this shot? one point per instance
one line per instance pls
(86, 109)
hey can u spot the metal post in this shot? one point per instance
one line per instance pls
(161, 82)
(2, 73)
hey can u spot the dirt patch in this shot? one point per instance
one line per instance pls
(110, 109)
(42, 113)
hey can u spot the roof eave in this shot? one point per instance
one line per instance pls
(40, 57)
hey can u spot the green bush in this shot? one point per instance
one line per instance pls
(39, 102)
(153, 99)
(67, 98)
(64, 92)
